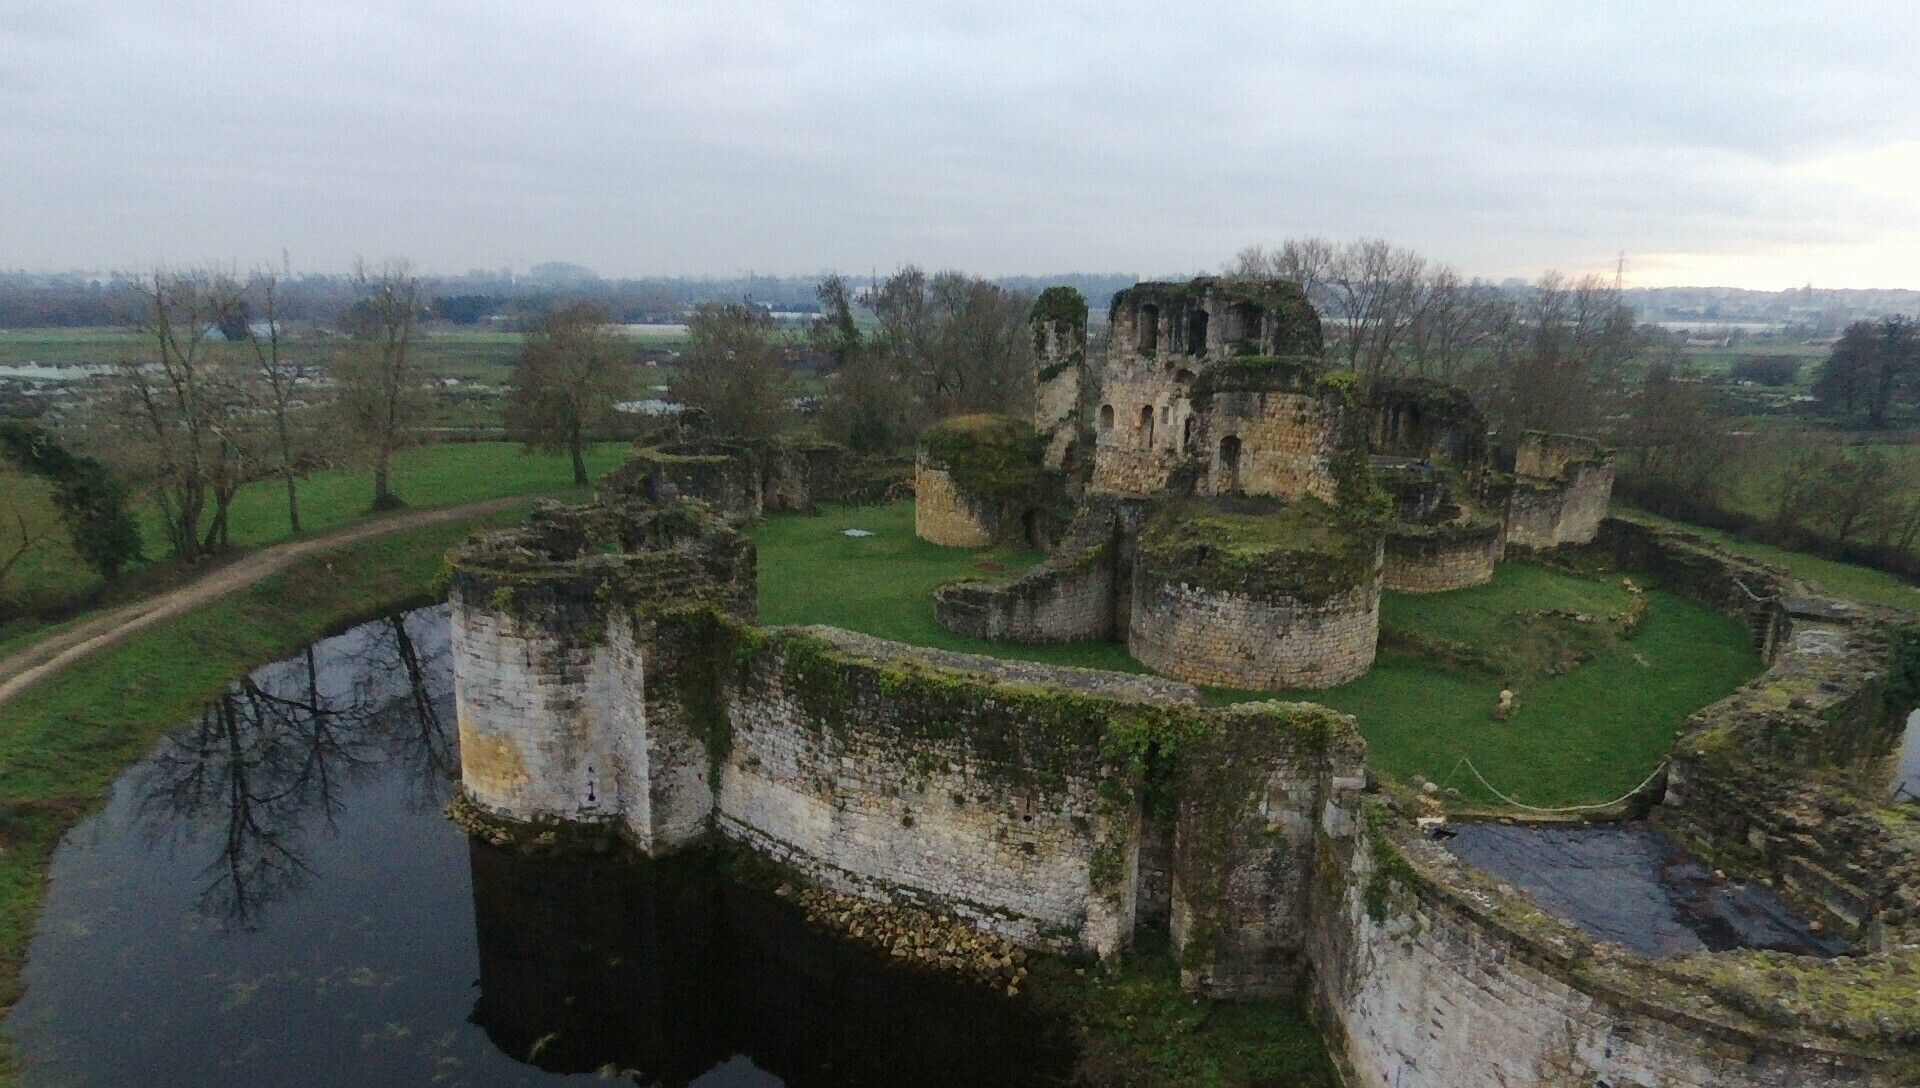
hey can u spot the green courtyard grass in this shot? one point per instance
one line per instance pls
(1587, 735)
(427, 476)
(65, 740)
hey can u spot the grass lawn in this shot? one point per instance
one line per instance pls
(1588, 734)
(441, 475)
(64, 741)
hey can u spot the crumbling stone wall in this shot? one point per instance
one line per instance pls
(741, 480)
(1437, 558)
(551, 666)
(1426, 420)
(1562, 488)
(1287, 599)
(1162, 338)
(1286, 443)
(943, 514)
(1547, 514)
(978, 480)
(1252, 836)
(1080, 593)
(854, 761)
(1069, 598)
(1059, 320)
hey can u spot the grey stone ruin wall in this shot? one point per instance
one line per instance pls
(1428, 974)
(1227, 639)
(1435, 559)
(946, 515)
(1069, 598)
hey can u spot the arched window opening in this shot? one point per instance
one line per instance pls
(1243, 328)
(1230, 463)
(1146, 425)
(1186, 434)
(1147, 325)
(1106, 417)
(1197, 331)
(1183, 376)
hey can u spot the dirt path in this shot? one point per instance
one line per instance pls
(49, 656)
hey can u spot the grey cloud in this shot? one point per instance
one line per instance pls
(999, 137)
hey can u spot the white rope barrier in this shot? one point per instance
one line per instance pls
(1491, 788)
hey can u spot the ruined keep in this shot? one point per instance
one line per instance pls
(610, 680)
(1209, 411)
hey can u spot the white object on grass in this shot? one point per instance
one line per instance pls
(855, 532)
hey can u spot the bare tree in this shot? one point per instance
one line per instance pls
(279, 378)
(570, 374)
(182, 402)
(734, 372)
(380, 380)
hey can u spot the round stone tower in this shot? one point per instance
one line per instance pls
(1230, 595)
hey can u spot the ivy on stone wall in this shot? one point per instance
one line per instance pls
(996, 458)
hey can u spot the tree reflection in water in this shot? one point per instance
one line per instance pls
(270, 758)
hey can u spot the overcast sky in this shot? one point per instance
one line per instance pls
(1742, 143)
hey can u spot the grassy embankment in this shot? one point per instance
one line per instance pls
(429, 476)
(1846, 579)
(64, 741)
(1585, 731)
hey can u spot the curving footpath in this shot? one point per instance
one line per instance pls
(48, 656)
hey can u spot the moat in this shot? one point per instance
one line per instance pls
(274, 896)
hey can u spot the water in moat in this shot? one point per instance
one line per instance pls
(273, 897)
(1635, 887)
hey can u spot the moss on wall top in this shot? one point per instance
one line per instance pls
(997, 458)
(1302, 551)
(1058, 305)
(1259, 374)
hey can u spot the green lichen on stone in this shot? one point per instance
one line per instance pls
(1303, 551)
(1060, 306)
(996, 458)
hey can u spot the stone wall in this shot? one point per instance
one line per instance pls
(1236, 640)
(1059, 321)
(1549, 513)
(855, 761)
(943, 514)
(1437, 558)
(1069, 598)
(1544, 456)
(1252, 836)
(1287, 442)
(1133, 456)
(1428, 974)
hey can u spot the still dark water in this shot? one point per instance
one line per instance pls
(1635, 887)
(273, 898)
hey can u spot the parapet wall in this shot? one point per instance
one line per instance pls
(1429, 974)
(1437, 558)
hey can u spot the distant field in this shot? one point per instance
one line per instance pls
(1587, 735)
